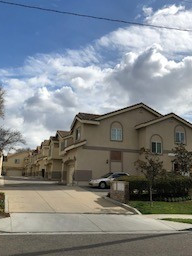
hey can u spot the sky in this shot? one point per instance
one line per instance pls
(53, 66)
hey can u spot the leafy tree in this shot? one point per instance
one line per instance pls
(183, 159)
(151, 167)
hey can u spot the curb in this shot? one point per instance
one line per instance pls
(6, 204)
(125, 206)
(2, 181)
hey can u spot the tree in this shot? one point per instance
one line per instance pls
(8, 137)
(183, 159)
(151, 168)
(20, 150)
(2, 92)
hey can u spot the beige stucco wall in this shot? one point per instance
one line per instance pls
(166, 132)
(93, 160)
(11, 160)
(100, 135)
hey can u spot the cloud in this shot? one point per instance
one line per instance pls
(176, 44)
(45, 94)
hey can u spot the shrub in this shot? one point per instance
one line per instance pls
(164, 187)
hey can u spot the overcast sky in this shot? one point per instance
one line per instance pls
(53, 66)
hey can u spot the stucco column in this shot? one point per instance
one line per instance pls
(62, 172)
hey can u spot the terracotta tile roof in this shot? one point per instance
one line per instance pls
(45, 143)
(63, 133)
(53, 138)
(155, 120)
(87, 116)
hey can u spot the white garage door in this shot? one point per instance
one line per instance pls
(14, 173)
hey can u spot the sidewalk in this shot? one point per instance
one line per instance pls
(86, 223)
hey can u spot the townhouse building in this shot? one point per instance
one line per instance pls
(98, 144)
(15, 164)
(54, 160)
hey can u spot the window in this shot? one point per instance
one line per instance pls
(116, 134)
(156, 147)
(17, 161)
(117, 175)
(180, 137)
(64, 144)
(78, 134)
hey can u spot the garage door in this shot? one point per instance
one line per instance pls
(14, 173)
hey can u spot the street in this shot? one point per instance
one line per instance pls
(178, 244)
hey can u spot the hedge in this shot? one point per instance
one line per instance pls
(169, 186)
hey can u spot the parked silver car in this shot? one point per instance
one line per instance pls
(106, 179)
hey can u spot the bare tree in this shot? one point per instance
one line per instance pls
(9, 139)
(151, 168)
(20, 150)
(2, 92)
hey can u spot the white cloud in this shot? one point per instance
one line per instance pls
(138, 38)
(45, 94)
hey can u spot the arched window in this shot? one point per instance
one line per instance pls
(156, 144)
(116, 132)
(180, 137)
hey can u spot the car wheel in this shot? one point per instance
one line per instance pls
(102, 185)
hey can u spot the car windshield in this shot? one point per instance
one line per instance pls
(107, 175)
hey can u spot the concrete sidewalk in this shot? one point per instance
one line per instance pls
(85, 223)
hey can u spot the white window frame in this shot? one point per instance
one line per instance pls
(156, 142)
(116, 134)
(180, 137)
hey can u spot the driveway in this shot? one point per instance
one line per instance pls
(27, 195)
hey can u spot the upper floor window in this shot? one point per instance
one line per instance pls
(17, 161)
(156, 144)
(180, 137)
(78, 134)
(116, 132)
(180, 134)
(156, 147)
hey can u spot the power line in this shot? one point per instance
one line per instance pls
(94, 17)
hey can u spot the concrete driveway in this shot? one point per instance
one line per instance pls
(27, 195)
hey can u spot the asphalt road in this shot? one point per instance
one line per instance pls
(178, 244)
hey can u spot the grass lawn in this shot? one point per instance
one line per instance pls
(189, 221)
(163, 207)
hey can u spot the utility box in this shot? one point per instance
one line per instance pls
(119, 191)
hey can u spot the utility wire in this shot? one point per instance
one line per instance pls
(94, 17)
